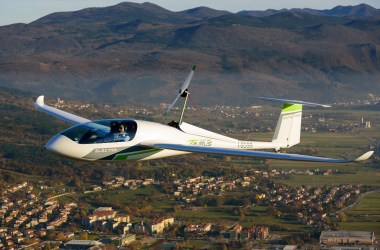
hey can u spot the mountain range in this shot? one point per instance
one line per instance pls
(141, 53)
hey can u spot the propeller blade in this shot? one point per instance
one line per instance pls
(185, 85)
(183, 88)
(172, 105)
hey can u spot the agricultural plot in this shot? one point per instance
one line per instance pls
(365, 216)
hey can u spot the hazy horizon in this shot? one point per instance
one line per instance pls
(25, 11)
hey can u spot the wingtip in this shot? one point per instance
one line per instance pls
(364, 156)
(194, 67)
(40, 101)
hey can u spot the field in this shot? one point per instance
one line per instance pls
(365, 216)
(147, 197)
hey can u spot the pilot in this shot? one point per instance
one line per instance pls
(123, 132)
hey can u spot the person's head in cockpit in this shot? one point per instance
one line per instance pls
(122, 128)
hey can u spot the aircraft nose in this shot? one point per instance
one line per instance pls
(63, 146)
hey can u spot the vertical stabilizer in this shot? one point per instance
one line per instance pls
(288, 129)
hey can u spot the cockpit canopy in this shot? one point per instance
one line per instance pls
(102, 131)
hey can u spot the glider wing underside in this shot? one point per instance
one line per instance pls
(259, 154)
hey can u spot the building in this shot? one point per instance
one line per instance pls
(158, 225)
(83, 244)
(198, 229)
(234, 233)
(347, 238)
(104, 213)
(127, 239)
(254, 232)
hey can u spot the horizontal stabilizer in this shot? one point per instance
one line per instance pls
(295, 102)
(260, 154)
(63, 115)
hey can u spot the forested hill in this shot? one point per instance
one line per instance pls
(141, 53)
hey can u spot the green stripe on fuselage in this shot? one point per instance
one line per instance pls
(124, 156)
(290, 107)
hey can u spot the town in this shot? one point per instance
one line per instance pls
(28, 219)
(198, 200)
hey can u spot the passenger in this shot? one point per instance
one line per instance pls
(114, 126)
(114, 131)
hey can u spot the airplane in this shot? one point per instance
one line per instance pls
(99, 140)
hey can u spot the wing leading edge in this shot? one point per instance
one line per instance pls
(260, 154)
(63, 115)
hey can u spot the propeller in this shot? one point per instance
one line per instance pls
(183, 89)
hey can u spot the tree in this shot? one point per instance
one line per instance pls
(176, 208)
(241, 214)
(83, 236)
(342, 216)
(60, 236)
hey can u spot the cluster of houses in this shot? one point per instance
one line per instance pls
(24, 215)
(62, 213)
(194, 186)
(130, 183)
(105, 218)
(310, 203)
(279, 173)
(237, 232)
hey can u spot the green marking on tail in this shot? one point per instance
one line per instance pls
(290, 107)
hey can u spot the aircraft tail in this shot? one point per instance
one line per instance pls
(288, 129)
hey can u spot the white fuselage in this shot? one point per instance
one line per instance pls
(132, 150)
(149, 133)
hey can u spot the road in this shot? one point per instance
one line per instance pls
(56, 196)
(358, 200)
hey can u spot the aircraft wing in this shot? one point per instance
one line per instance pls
(259, 154)
(63, 115)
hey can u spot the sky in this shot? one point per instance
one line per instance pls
(26, 11)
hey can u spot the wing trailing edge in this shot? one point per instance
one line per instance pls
(63, 115)
(260, 154)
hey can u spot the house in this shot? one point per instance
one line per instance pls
(235, 232)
